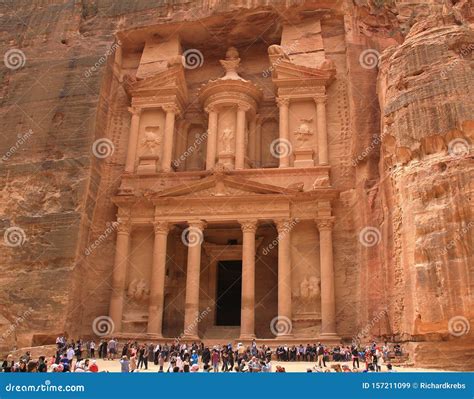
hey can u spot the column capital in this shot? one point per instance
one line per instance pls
(284, 225)
(249, 225)
(197, 224)
(241, 106)
(161, 227)
(135, 111)
(211, 108)
(282, 101)
(124, 225)
(321, 99)
(325, 224)
(171, 108)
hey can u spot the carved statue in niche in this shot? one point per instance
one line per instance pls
(227, 137)
(309, 292)
(303, 133)
(151, 140)
(231, 63)
(138, 290)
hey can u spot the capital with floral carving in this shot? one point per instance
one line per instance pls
(325, 224)
(161, 227)
(124, 225)
(284, 225)
(283, 101)
(243, 107)
(171, 108)
(135, 111)
(197, 224)
(320, 99)
(211, 108)
(248, 226)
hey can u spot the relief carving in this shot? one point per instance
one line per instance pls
(138, 290)
(151, 141)
(310, 292)
(304, 133)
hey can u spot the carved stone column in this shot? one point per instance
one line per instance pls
(157, 283)
(253, 141)
(191, 310)
(283, 104)
(119, 273)
(284, 275)
(322, 130)
(247, 322)
(211, 137)
(133, 139)
(258, 141)
(328, 295)
(171, 111)
(240, 136)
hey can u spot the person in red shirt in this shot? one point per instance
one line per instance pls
(93, 367)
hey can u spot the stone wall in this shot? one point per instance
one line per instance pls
(390, 128)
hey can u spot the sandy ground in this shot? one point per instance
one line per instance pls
(114, 366)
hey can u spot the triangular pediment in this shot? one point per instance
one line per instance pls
(214, 186)
(170, 81)
(286, 71)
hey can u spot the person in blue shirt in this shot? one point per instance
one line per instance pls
(194, 358)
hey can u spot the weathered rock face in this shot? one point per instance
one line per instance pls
(400, 147)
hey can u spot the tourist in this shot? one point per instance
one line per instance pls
(215, 360)
(355, 357)
(92, 349)
(111, 349)
(143, 356)
(320, 351)
(124, 364)
(93, 368)
(133, 362)
(42, 365)
(8, 364)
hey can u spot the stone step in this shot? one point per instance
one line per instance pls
(222, 333)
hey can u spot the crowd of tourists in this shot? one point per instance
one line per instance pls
(79, 356)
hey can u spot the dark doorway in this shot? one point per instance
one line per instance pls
(229, 292)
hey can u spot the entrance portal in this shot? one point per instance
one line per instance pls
(229, 293)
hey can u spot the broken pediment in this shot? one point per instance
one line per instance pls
(219, 185)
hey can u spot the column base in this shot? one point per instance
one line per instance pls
(333, 337)
(154, 336)
(190, 338)
(284, 336)
(247, 337)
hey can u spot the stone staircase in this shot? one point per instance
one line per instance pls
(221, 334)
